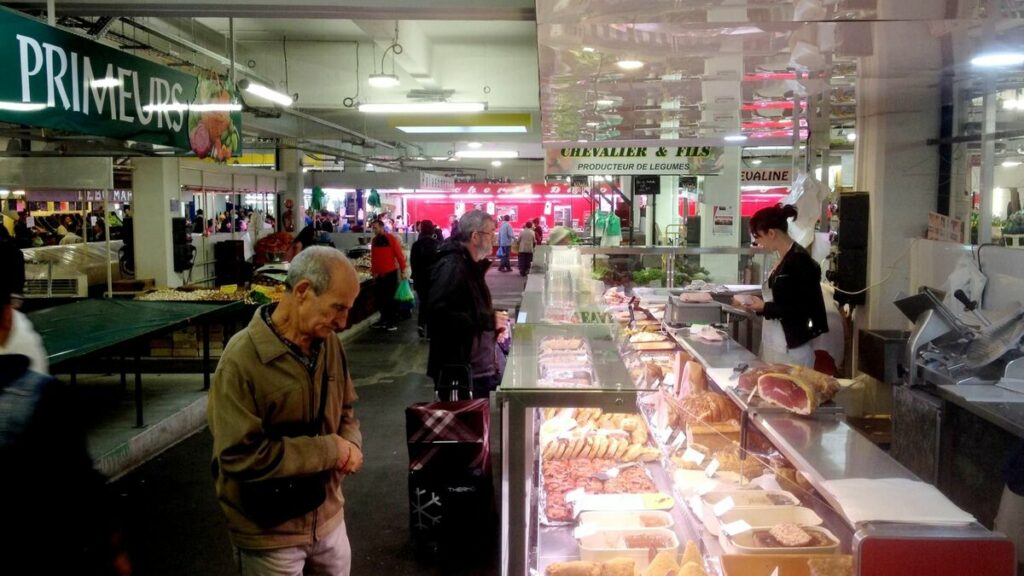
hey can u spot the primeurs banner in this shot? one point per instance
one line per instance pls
(631, 160)
(55, 79)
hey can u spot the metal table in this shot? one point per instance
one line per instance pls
(74, 331)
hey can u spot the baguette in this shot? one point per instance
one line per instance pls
(576, 568)
(632, 453)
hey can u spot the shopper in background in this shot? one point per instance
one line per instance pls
(527, 241)
(198, 222)
(538, 231)
(48, 478)
(22, 231)
(505, 239)
(387, 262)
(453, 226)
(423, 255)
(259, 414)
(793, 306)
(305, 239)
(68, 236)
(462, 323)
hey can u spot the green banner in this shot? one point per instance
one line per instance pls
(55, 79)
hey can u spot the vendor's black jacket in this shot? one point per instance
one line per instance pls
(797, 301)
(459, 305)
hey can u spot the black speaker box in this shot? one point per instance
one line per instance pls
(179, 231)
(854, 220)
(851, 275)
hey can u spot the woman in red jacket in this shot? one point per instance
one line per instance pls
(386, 263)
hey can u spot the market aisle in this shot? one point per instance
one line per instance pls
(173, 524)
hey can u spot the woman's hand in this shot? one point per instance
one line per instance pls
(754, 304)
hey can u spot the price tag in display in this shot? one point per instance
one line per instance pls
(737, 527)
(692, 455)
(706, 486)
(679, 441)
(775, 572)
(574, 495)
(724, 506)
(664, 434)
(712, 468)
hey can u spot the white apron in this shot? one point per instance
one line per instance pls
(773, 341)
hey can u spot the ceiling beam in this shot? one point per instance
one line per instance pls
(347, 9)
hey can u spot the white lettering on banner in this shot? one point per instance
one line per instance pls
(54, 81)
(99, 93)
(70, 85)
(27, 72)
(122, 76)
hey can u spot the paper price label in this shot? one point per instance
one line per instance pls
(679, 441)
(664, 434)
(724, 506)
(775, 572)
(737, 527)
(574, 495)
(692, 455)
(712, 468)
(706, 487)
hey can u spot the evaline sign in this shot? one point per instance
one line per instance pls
(56, 79)
(633, 160)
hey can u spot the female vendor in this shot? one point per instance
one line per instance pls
(793, 307)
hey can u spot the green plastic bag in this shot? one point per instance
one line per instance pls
(404, 295)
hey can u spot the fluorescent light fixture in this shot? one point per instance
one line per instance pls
(383, 80)
(474, 145)
(264, 92)
(1011, 163)
(462, 129)
(5, 193)
(22, 106)
(582, 140)
(630, 64)
(489, 154)
(423, 108)
(19, 193)
(592, 124)
(1011, 104)
(756, 161)
(439, 158)
(735, 138)
(998, 59)
(496, 163)
(851, 137)
(605, 102)
(107, 82)
(774, 148)
(221, 107)
(589, 49)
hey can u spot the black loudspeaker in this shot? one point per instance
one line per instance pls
(179, 231)
(230, 266)
(854, 220)
(851, 275)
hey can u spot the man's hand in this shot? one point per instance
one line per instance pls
(407, 273)
(350, 457)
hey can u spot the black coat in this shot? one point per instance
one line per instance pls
(797, 301)
(459, 306)
(423, 255)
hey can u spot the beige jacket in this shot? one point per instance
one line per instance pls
(259, 384)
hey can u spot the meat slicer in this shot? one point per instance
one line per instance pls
(949, 350)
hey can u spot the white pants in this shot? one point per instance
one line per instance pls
(331, 556)
(1010, 520)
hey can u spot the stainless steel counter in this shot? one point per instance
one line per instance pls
(1007, 415)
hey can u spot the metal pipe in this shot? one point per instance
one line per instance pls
(106, 236)
(338, 127)
(988, 158)
(231, 53)
(51, 12)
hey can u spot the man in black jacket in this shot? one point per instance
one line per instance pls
(423, 256)
(462, 321)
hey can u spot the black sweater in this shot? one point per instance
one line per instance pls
(797, 300)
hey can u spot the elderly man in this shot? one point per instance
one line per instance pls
(284, 432)
(463, 325)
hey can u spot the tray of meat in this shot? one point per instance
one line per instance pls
(565, 481)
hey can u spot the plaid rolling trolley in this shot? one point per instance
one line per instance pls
(451, 492)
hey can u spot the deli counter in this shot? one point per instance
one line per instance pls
(632, 445)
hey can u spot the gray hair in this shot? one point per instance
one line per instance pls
(314, 264)
(473, 221)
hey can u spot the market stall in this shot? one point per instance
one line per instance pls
(631, 439)
(121, 328)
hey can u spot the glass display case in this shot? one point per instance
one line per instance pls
(608, 418)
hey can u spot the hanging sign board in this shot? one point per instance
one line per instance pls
(724, 219)
(56, 79)
(646, 185)
(767, 177)
(632, 160)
